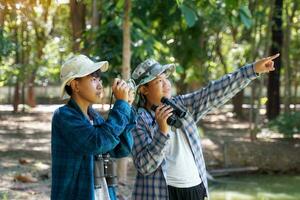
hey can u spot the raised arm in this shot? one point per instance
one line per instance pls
(85, 138)
(218, 92)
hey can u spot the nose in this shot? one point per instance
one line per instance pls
(166, 82)
(99, 85)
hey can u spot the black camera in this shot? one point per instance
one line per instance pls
(105, 167)
(174, 119)
(130, 83)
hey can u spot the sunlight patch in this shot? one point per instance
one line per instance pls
(274, 196)
(230, 195)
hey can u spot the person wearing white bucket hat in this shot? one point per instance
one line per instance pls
(80, 135)
(77, 67)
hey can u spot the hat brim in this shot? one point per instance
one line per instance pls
(168, 69)
(103, 66)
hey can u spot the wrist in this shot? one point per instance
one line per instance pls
(164, 130)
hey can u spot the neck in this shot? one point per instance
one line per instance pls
(83, 104)
(148, 105)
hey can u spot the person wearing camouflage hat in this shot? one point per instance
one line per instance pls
(169, 159)
(146, 72)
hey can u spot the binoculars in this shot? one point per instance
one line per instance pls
(105, 167)
(177, 113)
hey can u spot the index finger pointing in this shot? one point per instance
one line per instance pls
(273, 57)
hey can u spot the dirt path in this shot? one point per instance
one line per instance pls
(25, 151)
(25, 154)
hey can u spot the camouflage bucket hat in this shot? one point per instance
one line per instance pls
(149, 70)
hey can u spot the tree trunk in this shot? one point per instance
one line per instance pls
(273, 104)
(123, 162)
(296, 81)
(41, 39)
(30, 92)
(286, 57)
(16, 96)
(22, 62)
(237, 102)
(126, 41)
(296, 85)
(238, 99)
(2, 20)
(16, 99)
(219, 52)
(2, 14)
(95, 14)
(256, 86)
(78, 9)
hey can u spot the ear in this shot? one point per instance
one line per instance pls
(144, 90)
(74, 86)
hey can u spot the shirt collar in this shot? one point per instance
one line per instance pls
(72, 103)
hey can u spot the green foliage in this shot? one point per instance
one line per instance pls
(286, 123)
(189, 14)
(3, 195)
(204, 38)
(6, 45)
(245, 16)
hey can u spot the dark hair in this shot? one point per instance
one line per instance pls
(141, 99)
(68, 89)
(96, 74)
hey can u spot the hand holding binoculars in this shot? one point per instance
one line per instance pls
(177, 113)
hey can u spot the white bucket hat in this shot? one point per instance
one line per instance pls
(77, 67)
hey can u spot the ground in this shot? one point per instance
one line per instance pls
(25, 150)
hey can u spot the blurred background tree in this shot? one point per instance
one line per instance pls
(206, 39)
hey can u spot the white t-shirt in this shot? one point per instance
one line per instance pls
(182, 171)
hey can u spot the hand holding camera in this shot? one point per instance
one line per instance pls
(120, 89)
(124, 90)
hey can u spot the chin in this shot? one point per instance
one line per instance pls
(98, 100)
(167, 95)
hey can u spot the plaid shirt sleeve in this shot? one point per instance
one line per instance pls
(148, 152)
(218, 92)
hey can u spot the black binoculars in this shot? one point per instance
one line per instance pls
(177, 113)
(105, 167)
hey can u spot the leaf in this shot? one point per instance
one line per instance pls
(179, 2)
(179, 69)
(189, 15)
(245, 16)
(23, 161)
(25, 178)
(231, 4)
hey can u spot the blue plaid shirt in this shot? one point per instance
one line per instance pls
(149, 143)
(75, 141)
